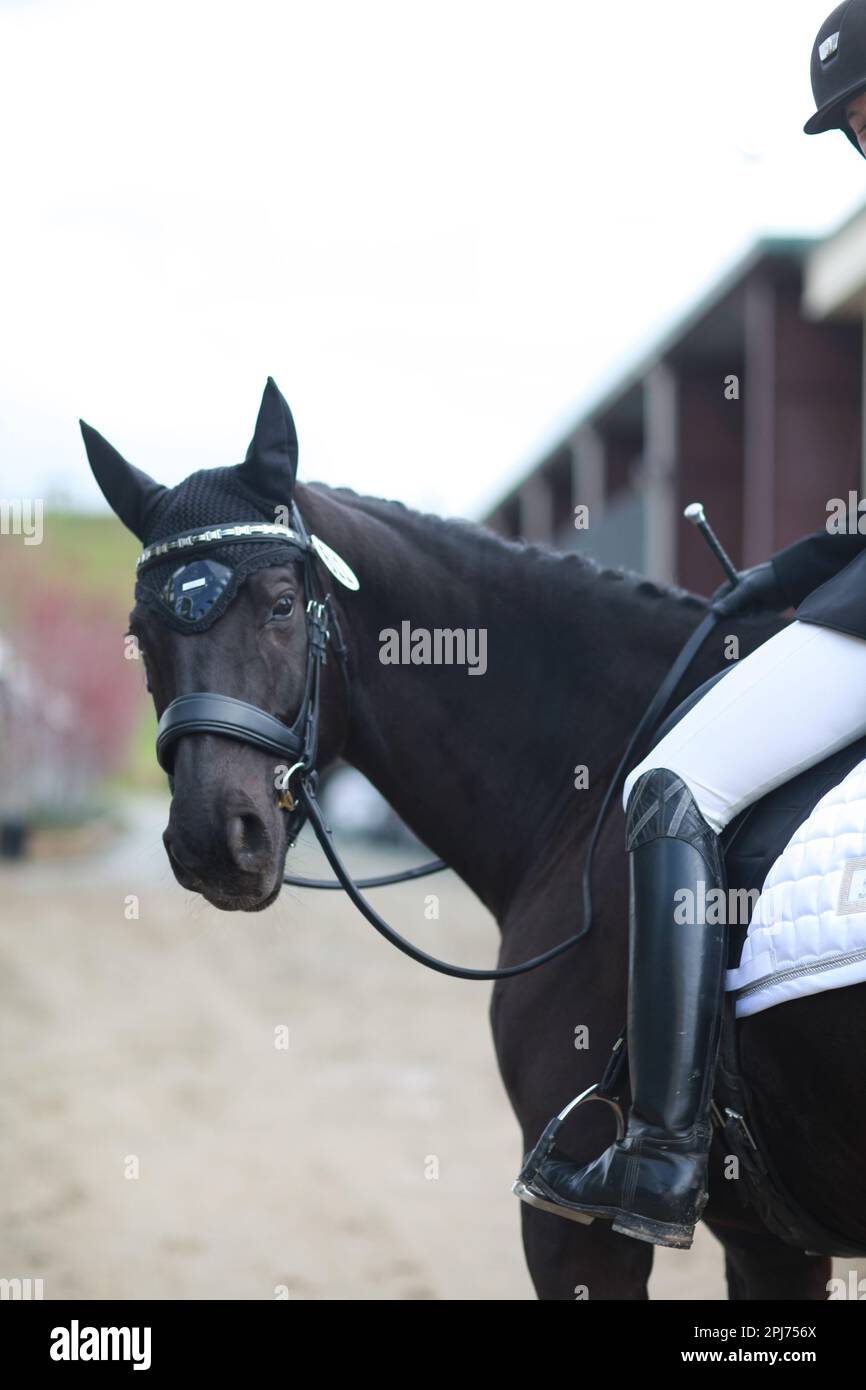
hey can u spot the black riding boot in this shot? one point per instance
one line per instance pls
(652, 1182)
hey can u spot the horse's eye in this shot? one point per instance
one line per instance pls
(283, 606)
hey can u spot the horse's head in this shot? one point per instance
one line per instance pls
(222, 610)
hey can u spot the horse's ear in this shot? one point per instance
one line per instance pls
(131, 494)
(272, 458)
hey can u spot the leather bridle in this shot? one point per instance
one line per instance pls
(203, 712)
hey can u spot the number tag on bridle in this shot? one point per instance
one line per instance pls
(335, 564)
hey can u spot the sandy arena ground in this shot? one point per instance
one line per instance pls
(152, 1042)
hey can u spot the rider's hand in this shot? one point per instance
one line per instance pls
(756, 588)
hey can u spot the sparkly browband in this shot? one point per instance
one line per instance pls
(220, 535)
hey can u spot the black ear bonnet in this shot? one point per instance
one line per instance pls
(191, 595)
(202, 538)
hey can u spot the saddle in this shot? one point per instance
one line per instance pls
(751, 843)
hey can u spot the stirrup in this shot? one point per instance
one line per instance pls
(590, 1094)
(522, 1185)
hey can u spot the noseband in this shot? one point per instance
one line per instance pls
(204, 712)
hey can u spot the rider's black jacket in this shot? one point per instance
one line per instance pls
(824, 578)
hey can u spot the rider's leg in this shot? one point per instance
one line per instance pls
(793, 701)
(774, 713)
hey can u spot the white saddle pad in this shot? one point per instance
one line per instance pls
(808, 930)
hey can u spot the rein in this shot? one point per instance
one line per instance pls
(203, 712)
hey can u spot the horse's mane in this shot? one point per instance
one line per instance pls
(567, 568)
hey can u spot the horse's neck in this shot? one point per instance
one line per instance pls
(482, 767)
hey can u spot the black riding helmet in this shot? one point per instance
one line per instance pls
(838, 68)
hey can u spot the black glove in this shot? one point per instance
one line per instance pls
(756, 588)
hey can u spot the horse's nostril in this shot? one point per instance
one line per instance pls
(248, 842)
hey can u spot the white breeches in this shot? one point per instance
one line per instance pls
(797, 698)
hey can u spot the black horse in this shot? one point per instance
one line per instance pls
(483, 770)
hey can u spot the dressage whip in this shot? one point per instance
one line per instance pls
(694, 513)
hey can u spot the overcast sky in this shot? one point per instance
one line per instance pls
(441, 227)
